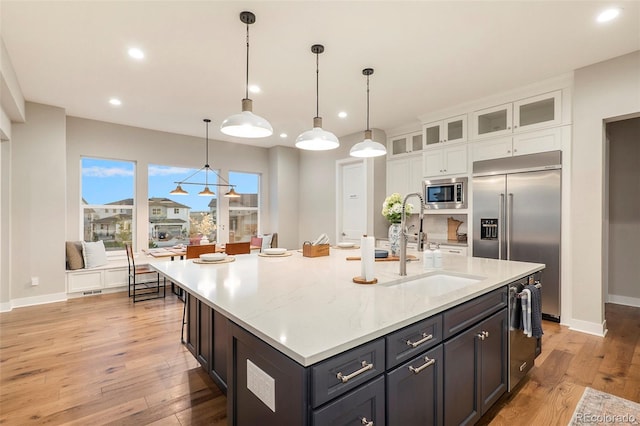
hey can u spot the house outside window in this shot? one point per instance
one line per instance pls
(244, 212)
(184, 219)
(107, 188)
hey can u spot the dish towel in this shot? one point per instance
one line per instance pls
(525, 300)
(536, 310)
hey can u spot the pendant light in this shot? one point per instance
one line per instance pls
(317, 139)
(246, 124)
(206, 192)
(368, 147)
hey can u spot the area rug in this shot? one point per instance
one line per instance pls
(602, 408)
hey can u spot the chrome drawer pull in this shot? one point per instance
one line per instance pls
(428, 363)
(366, 422)
(348, 377)
(425, 337)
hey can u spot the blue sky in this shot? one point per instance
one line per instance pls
(105, 181)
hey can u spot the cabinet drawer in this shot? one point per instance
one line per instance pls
(357, 408)
(354, 367)
(459, 318)
(116, 277)
(410, 341)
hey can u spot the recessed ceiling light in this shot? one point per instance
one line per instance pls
(115, 102)
(136, 53)
(254, 88)
(342, 114)
(608, 14)
(283, 135)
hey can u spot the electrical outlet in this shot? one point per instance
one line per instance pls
(261, 385)
(35, 281)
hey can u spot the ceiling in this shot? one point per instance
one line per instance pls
(427, 56)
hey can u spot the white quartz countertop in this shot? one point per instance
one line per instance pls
(310, 309)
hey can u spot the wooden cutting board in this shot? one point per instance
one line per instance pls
(385, 259)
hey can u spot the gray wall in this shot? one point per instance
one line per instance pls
(624, 210)
(38, 206)
(318, 189)
(106, 140)
(601, 91)
(284, 190)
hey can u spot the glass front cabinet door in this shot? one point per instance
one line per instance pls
(523, 115)
(450, 130)
(405, 144)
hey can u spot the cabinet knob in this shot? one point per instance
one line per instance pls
(508, 127)
(366, 422)
(515, 127)
(480, 336)
(508, 151)
(515, 150)
(444, 140)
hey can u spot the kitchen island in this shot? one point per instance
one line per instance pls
(283, 334)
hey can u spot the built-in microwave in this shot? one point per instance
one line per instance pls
(448, 193)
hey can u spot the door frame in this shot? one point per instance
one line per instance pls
(367, 193)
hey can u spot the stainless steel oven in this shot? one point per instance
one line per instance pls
(448, 193)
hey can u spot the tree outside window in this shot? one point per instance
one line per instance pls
(244, 212)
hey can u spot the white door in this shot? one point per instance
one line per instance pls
(352, 217)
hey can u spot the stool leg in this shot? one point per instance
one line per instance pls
(184, 314)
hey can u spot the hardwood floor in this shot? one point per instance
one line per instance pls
(104, 360)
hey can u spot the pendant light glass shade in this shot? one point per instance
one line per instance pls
(246, 124)
(317, 139)
(368, 147)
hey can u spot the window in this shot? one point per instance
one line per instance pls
(193, 216)
(244, 212)
(107, 201)
(156, 211)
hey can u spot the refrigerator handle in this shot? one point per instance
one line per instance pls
(508, 224)
(500, 225)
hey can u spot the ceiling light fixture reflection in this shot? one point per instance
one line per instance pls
(136, 53)
(608, 15)
(368, 147)
(317, 139)
(246, 124)
(206, 192)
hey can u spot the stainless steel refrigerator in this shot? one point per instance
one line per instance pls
(516, 216)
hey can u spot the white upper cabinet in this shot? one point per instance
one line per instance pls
(450, 160)
(523, 115)
(451, 130)
(404, 175)
(519, 144)
(405, 144)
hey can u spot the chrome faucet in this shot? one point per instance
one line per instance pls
(404, 232)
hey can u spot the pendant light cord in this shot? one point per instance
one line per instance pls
(368, 103)
(247, 74)
(206, 165)
(317, 86)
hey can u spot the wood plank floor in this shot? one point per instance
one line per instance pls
(103, 360)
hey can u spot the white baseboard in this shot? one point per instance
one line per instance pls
(33, 300)
(588, 327)
(624, 300)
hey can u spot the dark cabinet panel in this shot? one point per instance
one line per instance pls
(192, 324)
(415, 391)
(461, 383)
(364, 406)
(337, 375)
(494, 363)
(475, 373)
(408, 342)
(258, 369)
(463, 316)
(203, 347)
(219, 360)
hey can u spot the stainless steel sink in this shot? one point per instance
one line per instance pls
(436, 283)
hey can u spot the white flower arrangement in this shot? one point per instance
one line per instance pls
(392, 208)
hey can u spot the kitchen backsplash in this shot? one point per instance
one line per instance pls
(436, 225)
